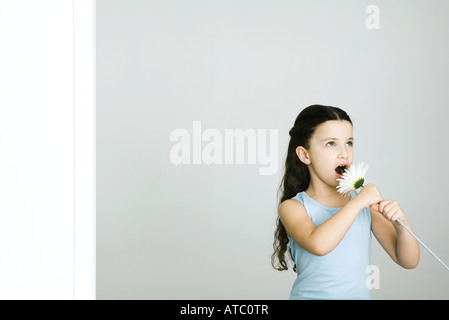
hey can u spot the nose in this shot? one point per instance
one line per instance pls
(343, 153)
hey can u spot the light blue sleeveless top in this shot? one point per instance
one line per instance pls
(340, 274)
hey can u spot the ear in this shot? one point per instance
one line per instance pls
(303, 155)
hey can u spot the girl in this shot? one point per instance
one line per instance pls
(329, 235)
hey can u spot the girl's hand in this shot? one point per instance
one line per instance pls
(390, 209)
(369, 195)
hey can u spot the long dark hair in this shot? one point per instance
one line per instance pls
(296, 176)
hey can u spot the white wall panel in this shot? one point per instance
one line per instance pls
(37, 155)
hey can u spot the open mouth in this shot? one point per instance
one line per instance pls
(340, 169)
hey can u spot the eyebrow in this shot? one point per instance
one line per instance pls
(350, 138)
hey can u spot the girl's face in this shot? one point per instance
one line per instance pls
(330, 151)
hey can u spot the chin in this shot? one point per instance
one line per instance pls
(333, 183)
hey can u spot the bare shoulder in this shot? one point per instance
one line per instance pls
(291, 212)
(290, 206)
(297, 223)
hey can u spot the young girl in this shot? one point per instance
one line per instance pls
(329, 235)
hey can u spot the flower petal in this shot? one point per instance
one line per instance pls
(351, 176)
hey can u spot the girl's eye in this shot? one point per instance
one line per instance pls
(332, 143)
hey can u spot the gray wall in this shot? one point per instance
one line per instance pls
(205, 230)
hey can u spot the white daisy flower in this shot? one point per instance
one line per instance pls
(353, 179)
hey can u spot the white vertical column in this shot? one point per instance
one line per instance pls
(36, 149)
(84, 52)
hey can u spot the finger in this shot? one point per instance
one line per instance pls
(375, 207)
(391, 213)
(382, 205)
(397, 215)
(390, 205)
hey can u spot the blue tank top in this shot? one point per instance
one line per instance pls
(340, 274)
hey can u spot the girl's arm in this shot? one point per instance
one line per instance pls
(322, 239)
(396, 241)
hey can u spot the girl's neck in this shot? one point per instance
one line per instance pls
(326, 195)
